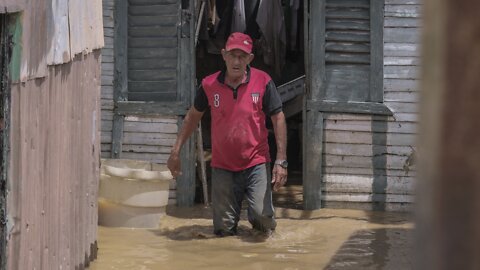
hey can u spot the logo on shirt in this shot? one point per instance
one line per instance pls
(255, 97)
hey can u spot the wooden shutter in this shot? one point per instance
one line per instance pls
(153, 49)
(347, 50)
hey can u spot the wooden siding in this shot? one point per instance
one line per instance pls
(372, 158)
(148, 138)
(54, 167)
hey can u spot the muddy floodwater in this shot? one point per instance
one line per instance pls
(321, 239)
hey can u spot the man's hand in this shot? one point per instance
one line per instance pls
(174, 165)
(189, 124)
(279, 176)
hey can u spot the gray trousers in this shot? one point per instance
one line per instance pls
(228, 191)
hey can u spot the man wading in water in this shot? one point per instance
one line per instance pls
(240, 98)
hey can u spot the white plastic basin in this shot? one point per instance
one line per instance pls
(132, 193)
(112, 214)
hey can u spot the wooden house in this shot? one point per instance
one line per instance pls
(50, 122)
(355, 110)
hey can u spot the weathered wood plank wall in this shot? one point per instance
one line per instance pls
(371, 158)
(150, 138)
(54, 171)
(144, 137)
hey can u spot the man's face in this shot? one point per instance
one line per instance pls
(236, 61)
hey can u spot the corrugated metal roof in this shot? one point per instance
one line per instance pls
(54, 31)
(8, 6)
(34, 40)
(86, 25)
(59, 33)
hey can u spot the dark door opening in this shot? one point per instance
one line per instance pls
(289, 77)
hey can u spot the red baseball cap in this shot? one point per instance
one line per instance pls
(239, 41)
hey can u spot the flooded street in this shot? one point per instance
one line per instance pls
(321, 239)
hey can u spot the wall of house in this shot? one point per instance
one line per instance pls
(54, 167)
(365, 158)
(372, 158)
(54, 134)
(148, 137)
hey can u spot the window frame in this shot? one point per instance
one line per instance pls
(316, 69)
(185, 66)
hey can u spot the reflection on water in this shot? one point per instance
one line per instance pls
(385, 248)
(322, 239)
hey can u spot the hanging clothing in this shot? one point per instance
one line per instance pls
(263, 20)
(244, 16)
(206, 21)
(225, 14)
(222, 12)
(238, 17)
(251, 11)
(292, 35)
(271, 22)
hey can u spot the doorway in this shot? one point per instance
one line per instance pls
(287, 72)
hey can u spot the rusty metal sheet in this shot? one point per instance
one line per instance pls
(97, 24)
(54, 167)
(58, 33)
(86, 25)
(77, 18)
(9, 6)
(34, 40)
(54, 31)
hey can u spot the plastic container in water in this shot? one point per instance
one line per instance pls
(132, 193)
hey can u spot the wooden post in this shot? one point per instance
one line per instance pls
(120, 90)
(312, 159)
(117, 135)
(201, 164)
(200, 154)
(312, 117)
(376, 53)
(186, 182)
(448, 220)
(316, 51)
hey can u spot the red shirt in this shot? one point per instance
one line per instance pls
(239, 134)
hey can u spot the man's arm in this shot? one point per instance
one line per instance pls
(190, 123)
(279, 174)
